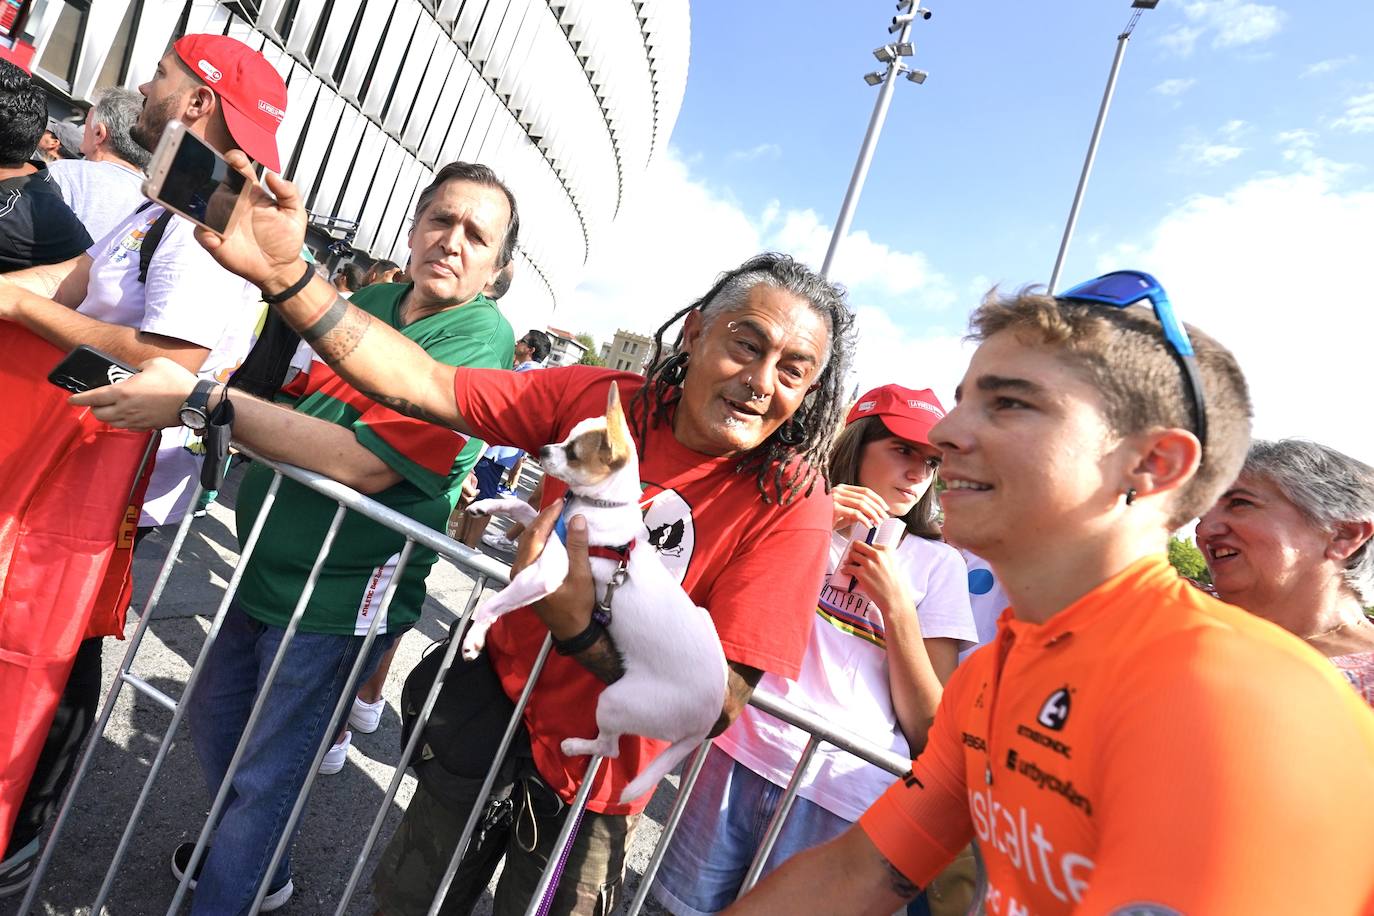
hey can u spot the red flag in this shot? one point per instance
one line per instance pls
(66, 481)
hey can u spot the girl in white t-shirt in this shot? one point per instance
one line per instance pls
(879, 655)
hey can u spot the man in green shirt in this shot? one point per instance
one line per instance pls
(464, 233)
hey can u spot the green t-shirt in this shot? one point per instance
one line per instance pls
(432, 461)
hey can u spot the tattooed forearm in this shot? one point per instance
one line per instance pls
(407, 408)
(739, 687)
(337, 333)
(602, 659)
(899, 883)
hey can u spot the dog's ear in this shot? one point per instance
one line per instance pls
(617, 429)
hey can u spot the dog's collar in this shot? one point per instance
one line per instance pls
(592, 501)
(620, 554)
(560, 528)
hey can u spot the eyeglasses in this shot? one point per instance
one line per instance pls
(1123, 288)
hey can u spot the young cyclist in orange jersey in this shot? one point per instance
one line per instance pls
(1127, 744)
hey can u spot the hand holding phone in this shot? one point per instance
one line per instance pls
(189, 177)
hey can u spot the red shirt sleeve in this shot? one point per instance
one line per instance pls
(922, 821)
(532, 409)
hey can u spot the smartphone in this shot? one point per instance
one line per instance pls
(189, 177)
(86, 367)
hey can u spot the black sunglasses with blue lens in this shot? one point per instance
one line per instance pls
(1124, 288)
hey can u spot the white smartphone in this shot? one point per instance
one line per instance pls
(189, 177)
(887, 534)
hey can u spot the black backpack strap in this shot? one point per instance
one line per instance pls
(150, 241)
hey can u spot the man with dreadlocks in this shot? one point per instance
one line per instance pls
(732, 431)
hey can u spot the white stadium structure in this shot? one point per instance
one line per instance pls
(568, 100)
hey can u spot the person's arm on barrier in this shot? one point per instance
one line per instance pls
(152, 399)
(64, 281)
(845, 875)
(264, 248)
(65, 328)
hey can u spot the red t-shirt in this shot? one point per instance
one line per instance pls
(756, 567)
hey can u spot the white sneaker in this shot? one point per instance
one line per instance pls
(497, 540)
(337, 755)
(365, 717)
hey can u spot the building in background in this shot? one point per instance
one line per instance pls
(627, 351)
(566, 350)
(567, 101)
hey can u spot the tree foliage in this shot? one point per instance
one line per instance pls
(1187, 559)
(591, 357)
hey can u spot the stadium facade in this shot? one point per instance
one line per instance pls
(569, 101)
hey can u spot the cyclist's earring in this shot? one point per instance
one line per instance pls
(1130, 496)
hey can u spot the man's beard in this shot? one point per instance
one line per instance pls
(147, 130)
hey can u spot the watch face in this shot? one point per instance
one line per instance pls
(192, 418)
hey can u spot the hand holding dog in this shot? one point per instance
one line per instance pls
(568, 610)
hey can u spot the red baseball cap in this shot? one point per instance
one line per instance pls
(251, 91)
(906, 413)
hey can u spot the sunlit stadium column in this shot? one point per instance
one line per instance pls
(568, 100)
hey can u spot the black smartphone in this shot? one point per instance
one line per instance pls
(190, 178)
(86, 367)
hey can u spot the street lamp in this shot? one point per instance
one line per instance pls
(908, 11)
(1125, 36)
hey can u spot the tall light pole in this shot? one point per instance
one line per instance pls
(1125, 36)
(890, 54)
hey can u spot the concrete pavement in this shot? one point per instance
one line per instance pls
(342, 806)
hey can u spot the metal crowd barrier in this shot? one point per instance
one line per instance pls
(485, 570)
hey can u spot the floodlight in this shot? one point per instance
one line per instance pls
(917, 76)
(1144, 4)
(886, 54)
(874, 78)
(904, 49)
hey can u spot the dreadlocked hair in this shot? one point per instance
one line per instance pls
(782, 470)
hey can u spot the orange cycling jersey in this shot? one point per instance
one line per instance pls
(1147, 750)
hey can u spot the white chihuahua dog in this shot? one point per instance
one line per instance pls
(673, 688)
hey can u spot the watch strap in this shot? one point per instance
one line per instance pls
(199, 398)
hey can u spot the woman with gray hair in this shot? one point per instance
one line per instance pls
(1289, 541)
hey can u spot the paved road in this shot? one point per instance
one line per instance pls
(341, 808)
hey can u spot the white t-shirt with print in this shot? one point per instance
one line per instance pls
(188, 296)
(985, 596)
(844, 679)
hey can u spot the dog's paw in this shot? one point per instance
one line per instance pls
(578, 747)
(472, 644)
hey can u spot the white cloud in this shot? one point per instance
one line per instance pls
(1359, 114)
(1272, 270)
(1299, 146)
(762, 151)
(1231, 23)
(1175, 86)
(1210, 154)
(678, 233)
(889, 352)
(1329, 65)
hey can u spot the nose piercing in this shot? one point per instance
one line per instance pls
(753, 395)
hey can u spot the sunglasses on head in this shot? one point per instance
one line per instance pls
(1124, 288)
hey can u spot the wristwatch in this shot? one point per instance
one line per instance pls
(195, 411)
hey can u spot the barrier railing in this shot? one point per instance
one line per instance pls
(484, 570)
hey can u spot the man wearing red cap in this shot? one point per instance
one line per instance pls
(148, 289)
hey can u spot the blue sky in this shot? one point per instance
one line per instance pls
(1235, 165)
